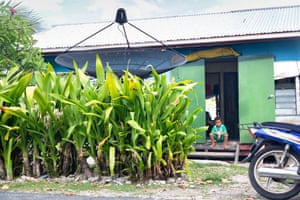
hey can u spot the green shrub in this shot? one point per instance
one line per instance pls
(131, 127)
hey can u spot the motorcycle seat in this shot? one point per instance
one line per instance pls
(282, 125)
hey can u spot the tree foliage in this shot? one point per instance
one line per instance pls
(16, 39)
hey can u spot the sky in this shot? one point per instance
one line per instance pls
(55, 12)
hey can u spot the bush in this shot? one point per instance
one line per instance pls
(129, 126)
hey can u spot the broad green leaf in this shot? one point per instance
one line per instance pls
(135, 125)
(15, 111)
(113, 83)
(107, 113)
(159, 149)
(41, 99)
(148, 142)
(149, 160)
(99, 71)
(112, 160)
(21, 86)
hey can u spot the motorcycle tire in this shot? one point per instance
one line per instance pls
(254, 182)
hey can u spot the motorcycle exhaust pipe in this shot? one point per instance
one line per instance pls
(285, 173)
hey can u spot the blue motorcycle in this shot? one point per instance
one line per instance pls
(274, 169)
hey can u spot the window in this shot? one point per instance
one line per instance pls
(285, 94)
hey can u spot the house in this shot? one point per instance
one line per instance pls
(258, 81)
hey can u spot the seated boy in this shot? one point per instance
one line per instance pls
(218, 133)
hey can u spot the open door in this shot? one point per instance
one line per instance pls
(194, 71)
(222, 92)
(256, 92)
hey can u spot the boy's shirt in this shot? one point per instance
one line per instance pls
(222, 129)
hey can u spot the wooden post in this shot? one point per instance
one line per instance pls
(237, 153)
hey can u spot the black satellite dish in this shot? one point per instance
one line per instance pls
(138, 61)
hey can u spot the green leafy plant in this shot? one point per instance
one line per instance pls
(12, 89)
(130, 127)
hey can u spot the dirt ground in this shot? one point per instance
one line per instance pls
(239, 188)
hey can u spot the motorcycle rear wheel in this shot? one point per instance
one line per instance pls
(271, 188)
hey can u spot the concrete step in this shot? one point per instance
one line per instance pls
(214, 155)
(219, 147)
(204, 151)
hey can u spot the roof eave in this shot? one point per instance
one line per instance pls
(179, 43)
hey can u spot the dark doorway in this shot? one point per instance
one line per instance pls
(231, 104)
(221, 82)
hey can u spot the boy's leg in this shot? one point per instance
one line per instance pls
(213, 144)
(225, 141)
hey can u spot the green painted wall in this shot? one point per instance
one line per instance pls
(194, 71)
(256, 86)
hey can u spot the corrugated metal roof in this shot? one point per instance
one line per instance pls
(240, 25)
